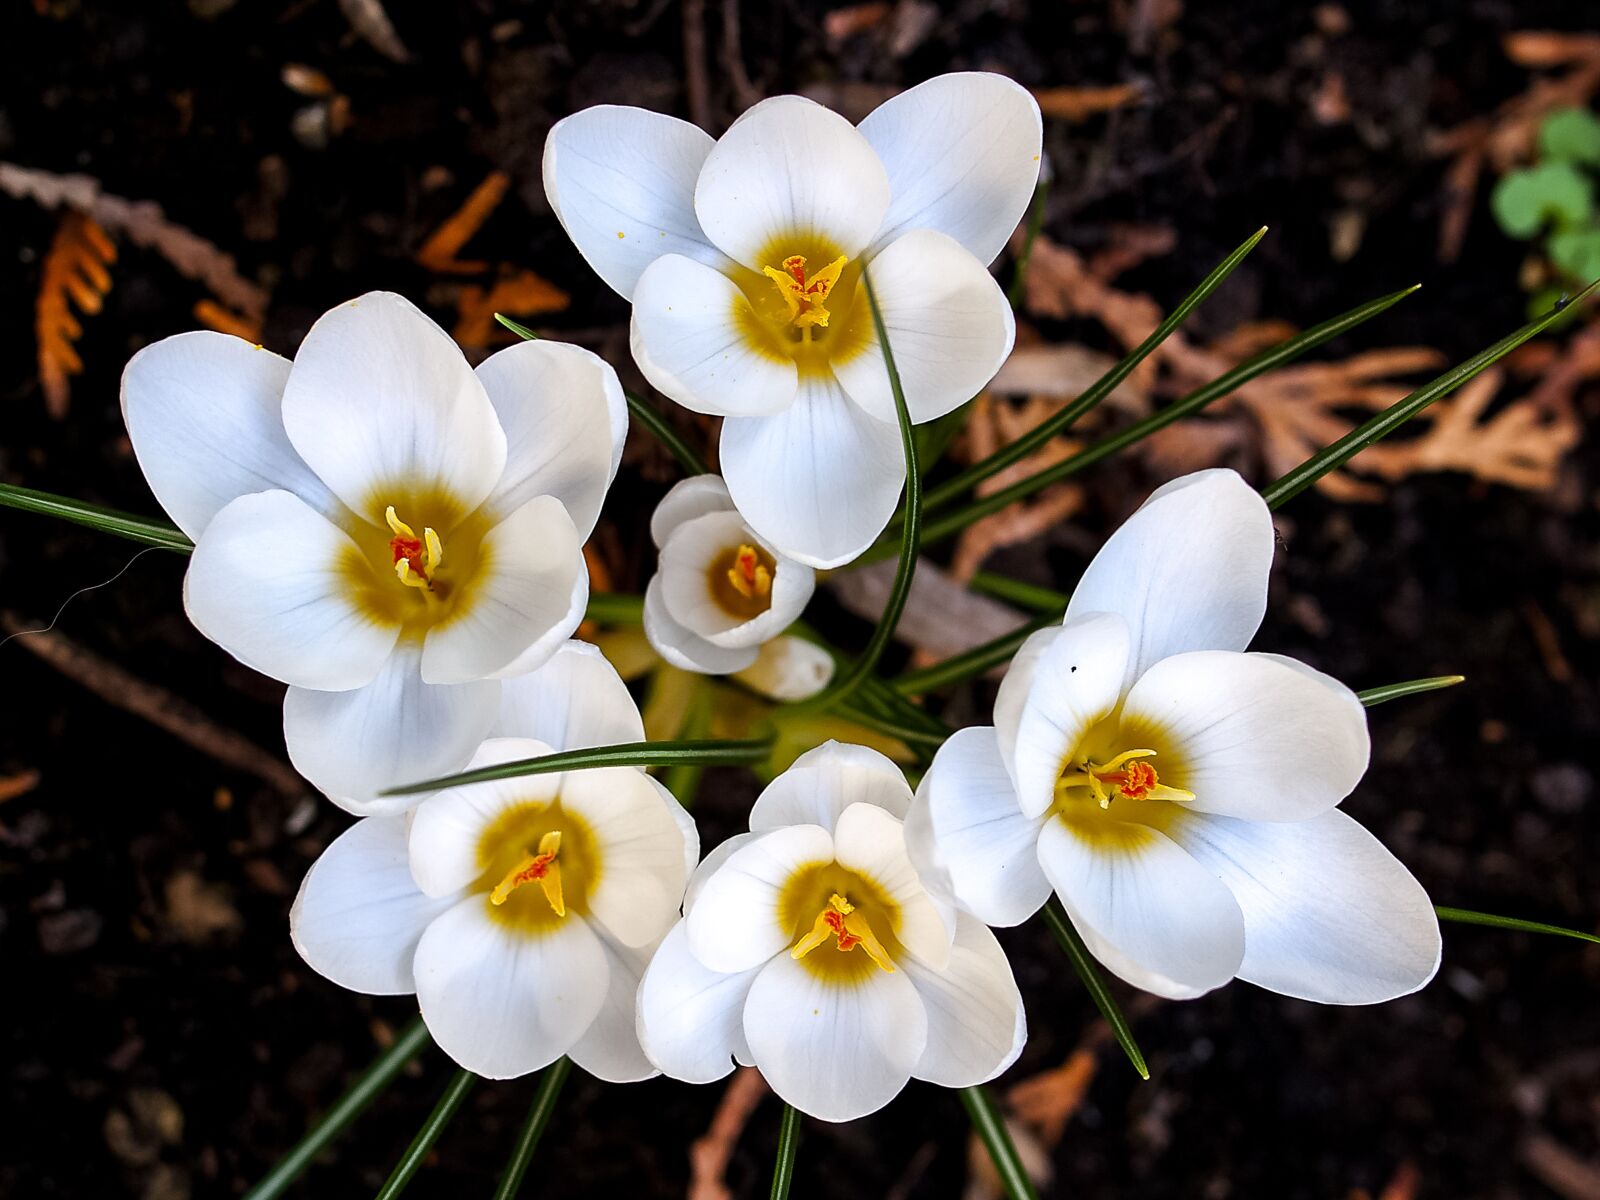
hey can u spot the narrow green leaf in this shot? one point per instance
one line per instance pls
(1386, 422)
(878, 696)
(911, 735)
(615, 608)
(1468, 917)
(1056, 918)
(720, 752)
(1393, 691)
(788, 1144)
(683, 779)
(970, 663)
(544, 1107)
(362, 1092)
(96, 516)
(1019, 280)
(1025, 595)
(990, 1126)
(644, 412)
(454, 1093)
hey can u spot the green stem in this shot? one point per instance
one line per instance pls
(683, 779)
(1025, 595)
(1019, 280)
(544, 1106)
(970, 663)
(1393, 691)
(1056, 918)
(460, 1084)
(991, 1127)
(788, 1144)
(615, 608)
(96, 516)
(1466, 916)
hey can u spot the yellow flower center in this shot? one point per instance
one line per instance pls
(1126, 777)
(803, 304)
(806, 296)
(539, 863)
(415, 559)
(840, 920)
(541, 868)
(740, 581)
(831, 911)
(398, 571)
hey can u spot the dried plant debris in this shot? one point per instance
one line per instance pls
(76, 276)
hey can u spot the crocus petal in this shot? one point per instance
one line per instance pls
(819, 480)
(382, 405)
(359, 914)
(621, 182)
(1188, 570)
(204, 414)
(1012, 696)
(976, 1026)
(789, 168)
(734, 924)
(576, 700)
(685, 500)
(610, 1048)
(836, 1051)
(962, 151)
(1076, 684)
(978, 836)
(502, 1002)
(552, 639)
(1138, 890)
(871, 842)
(948, 323)
(826, 780)
(565, 420)
(394, 730)
(1329, 914)
(691, 1018)
(695, 552)
(689, 337)
(520, 593)
(1249, 735)
(789, 669)
(270, 582)
(683, 649)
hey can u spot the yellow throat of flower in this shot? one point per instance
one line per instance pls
(1128, 776)
(806, 295)
(740, 581)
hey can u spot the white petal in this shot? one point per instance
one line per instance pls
(698, 547)
(558, 635)
(359, 915)
(872, 843)
(520, 593)
(689, 337)
(269, 581)
(576, 700)
(204, 414)
(1136, 889)
(689, 832)
(978, 838)
(621, 181)
(382, 404)
(565, 420)
(501, 1002)
(976, 1025)
(820, 480)
(790, 168)
(1329, 914)
(610, 1048)
(691, 1018)
(1250, 736)
(685, 650)
(709, 865)
(1188, 570)
(834, 1051)
(1012, 696)
(949, 328)
(826, 780)
(790, 669)
(687, 499)
(962, 151)
(734, 924)
(1077, 683)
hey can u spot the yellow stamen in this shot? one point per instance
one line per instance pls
(541, 868)
(748, 575)
(805, 295)
(1125, 777)
(841, 920)
(415, 559)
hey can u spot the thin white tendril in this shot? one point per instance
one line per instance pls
(91, 588)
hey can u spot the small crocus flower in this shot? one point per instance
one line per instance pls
(521, 913)
(721, 592)
(379, 526)
(811, 949)
(744, 260)
(1179, 795)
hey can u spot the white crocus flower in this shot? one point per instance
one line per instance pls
(721, 592)
(743, 258)
(379, 526)
(1179, 795)
(812, 949)
(521, 912)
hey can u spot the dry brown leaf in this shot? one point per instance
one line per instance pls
(76, 274)
(438, 253)
(843, 23)
(1047, 1100)
(520, 294)
(1407, 1179)
(1128, 245)
(1559, 1169)
(198, 911)
(214, 316)
(709, 1155)
(1080, 103)
(19, 784)
(368, 18)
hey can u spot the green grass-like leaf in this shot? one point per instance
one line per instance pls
(1056, 918)
(963, 666)
(1025, 595)
(97, 516)
(1019, 279)
(1466, 916)
(615, 608)
(1411, 687)
(544, 1107)
(990, 1127)
(411, 1162)
(788, 1147)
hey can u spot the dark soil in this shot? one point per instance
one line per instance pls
(161, 1038)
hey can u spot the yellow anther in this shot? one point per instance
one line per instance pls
(1125, 777)
(415, 559)
(806, 295)
(749, 575)
(400, 528)
(542, 868)
(840, 919)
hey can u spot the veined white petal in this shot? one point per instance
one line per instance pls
(204, 414)
(565, 420)
(826, 780)
(820, 480)
(1250, 736)
(949, 328)
(381, 404)
(734, 924)
(1136, 889)
(576, 700)
(962, 151)
(790, 168)
(836, 1051)
(621, 182)
(359, 914)
(977, 836)
(610, 1048)
(1012, 696)
(691, 1018)
(502, 1002)
(976, 1025)
(689, 832)
(542, 648)
(396, 729)
(1077, 682)
(521, 593)
(871, 842)
(708, 866)
(1329, 914)
(789, 668)
(690, 338)
(699, 548)
(687, 499)
(269, 582)
(683, 649)
(1188, 571)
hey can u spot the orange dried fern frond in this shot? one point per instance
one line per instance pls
(77, 275)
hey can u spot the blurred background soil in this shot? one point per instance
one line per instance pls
(161, 1039)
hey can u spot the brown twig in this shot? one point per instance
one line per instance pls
(709, 1155)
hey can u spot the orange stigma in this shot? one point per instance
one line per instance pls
(748, 575)
(806, 295)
